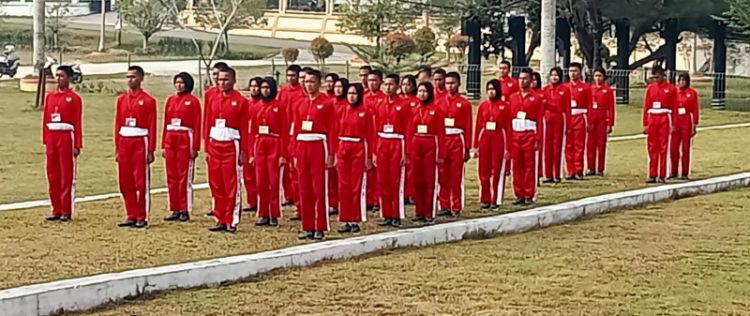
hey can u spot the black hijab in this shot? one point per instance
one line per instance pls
(430, 92)
(360, 94)
(498, 89)
(274, 90)
(345, 84)
(187, 79)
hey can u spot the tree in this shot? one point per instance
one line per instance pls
(215, 13)
(738, 17)
(460, 43)
(425, 41)
(399, 46)
(375, 19)
(290, 55)
(321, 49)
(148, 16)
(57, 19)
(102, 26)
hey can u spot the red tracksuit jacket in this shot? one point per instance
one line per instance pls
(687, 98)
(141, 106)
(357, 123)
(457, 110)
(185, 109)
(509, 86)
(603, 104)
(662, 95)
(233, 108)
(580, 95)
(434, 118)
(69, 106)
(398, 113)
(273, 116)
(321, 111)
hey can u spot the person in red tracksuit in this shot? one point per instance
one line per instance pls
(268, 151)
(556, 120)
(210, 92)
(492, 145)
(374, 99)
(354, 158)
(392, 120)
(331, 79)
(438, 80)
(135, 142)
(424, 73)
(508, 84)
(340, 89)
(333, 183)
(536, 87)
(248, 171)
(458, 133)
(661, 99)
(62, 137)
(526, 114)
(409, 97)
(601, 119)
(225, 129)
(426, 153)
(364, 76)
(316, 135)
(580, 102)
(180, 142)
(685, 121)
(291, 95)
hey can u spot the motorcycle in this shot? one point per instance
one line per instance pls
(77, 74)
(9, 61)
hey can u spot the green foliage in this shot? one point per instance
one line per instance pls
(148, 16)
(399, 45)
(290, 55)
(99, 87)
(425, 41)
(738, 17)
(321, 49)
(375, 19)
(172, 46)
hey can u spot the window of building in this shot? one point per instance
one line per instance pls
(306, 5)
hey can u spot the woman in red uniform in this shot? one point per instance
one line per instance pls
(354, 158)
(426, 152)
(556, 120)
(601, 120)
(685, 119)
(491, 145)
(536, 87)
(331, 79)
(409, 96)
(338, 95)
(248, 172)
(340, 90)
(180, 143)
(267, 151)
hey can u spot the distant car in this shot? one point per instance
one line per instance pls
(9, 61)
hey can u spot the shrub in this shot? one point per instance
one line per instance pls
(290, 55)
(321, 49)
(399, 45)
(459, 42)
(425, 41)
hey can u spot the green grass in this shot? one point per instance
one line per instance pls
(688, 257)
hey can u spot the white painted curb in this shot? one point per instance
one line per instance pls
(92, 291)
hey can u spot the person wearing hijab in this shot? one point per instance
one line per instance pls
(491, 144)
(426, 152)
(248, 172)
(180, 144)
(354, 158)
(268, 151)
(556, 120)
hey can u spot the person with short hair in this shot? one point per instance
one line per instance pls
(526, 113)
(180, 143)
(556, 120)
(330, 81)
(364, 74)
(601, 121)
(424, 73)
(580, 103)
(492, 145)
(685, 123)
(660, 101)
(291, 96)
(438, 80)
(458, 132)
(135, 143)
(210, 92)
(507, 82)
(62, 137)
(248, 172)
(374, 99)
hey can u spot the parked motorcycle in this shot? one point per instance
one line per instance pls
(77, 74)
(9, 61)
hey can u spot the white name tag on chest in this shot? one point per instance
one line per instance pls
(573, 104)
(450, 122)
(422, 129)
(176, 122)
(490, 126)
(681, 111)
(307, 125)
(55, 117)
(130, 121)
(220, 123)
(656, 105)
(388, 128)
(263, 129)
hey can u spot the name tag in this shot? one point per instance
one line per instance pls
(176, 122)
(490, 126)
(450, 122)
(388, 128)
(130, 121)
(595, 105)
(656, 105)
(521, 115)
(681, 111)
(307, 125)
(220, 123)
(573, 103)
(56, 117)
(422, 129)
(263, 129)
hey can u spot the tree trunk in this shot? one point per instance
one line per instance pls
(226, 41)
(145, 41)
(101, 27)
(38, 43)
(656, 55)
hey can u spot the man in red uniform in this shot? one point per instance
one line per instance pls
(316, 134)
(575, 143)
(458, 133)
(364, 76)
(438, 79)
(685, 121)
(526, 113)
(225, 128)
(556, 119)
(601, 120)
(660, 100)
(135, 142)
(248, 171)
(333, 183)
(424, 73)
(392, 120)
(508, 84)
(291, 95)
(62, 137)
(210, 92)
(374, 99)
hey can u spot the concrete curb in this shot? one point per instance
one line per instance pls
(92, 291)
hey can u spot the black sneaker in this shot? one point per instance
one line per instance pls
(485, 206)
(333, 211)
(305, 235)
(571, 177)
(184, 216)
(600, 173)
(140, 224)
(396, 223)
(685, 178)
(345, 229)
(455, 214)
(651, 180)
(65, 218)
(519, 201)
(249, 209)
(549, 180)
(590, 173)
(273, 222)
(175, 215)
(528, 202)
(662, 180)
(370, 207)
(494, 206)
(231, 229)
(672, 176)
(408, 201)
(355, 229)
(579, 176)
(263, 221)
(376, 208)
(429, 221)
(386, 222)
(558, 180)
(444, 212)
(210, 213)
(126, 223)
(218, 228)
(319, 235)
(287, 203)
(418, 219)
(294, 218)
(53, 217)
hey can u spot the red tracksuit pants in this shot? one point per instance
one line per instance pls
(134, 176)
(312, 175)
(658, 131)
(575, 145)
(268, 175)
(291, 187)
(248, 180)
(333, 187)
(373, 196)
(554, 141)
(451, 177)
(681, 146)
(391, 177)
(542, 141)
(424, 174)
(492, 163)
(180, 167)
(224, 179)
(61, 171)
(352, 181)
(524, 164)
(596, 145)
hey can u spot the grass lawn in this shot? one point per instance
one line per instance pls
(39, 251)
(687, 257)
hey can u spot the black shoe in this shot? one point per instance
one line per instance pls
(651, 180)
(455, 214)
(408, 201)
(333, 211)
(305, 235)
(319, 235)
(600, 173)
(263, 221)
(287, 203)
(218, 228)
(494, 206)
(231, 229)
(672, 176)
(528, 202)
(571, 177)
(126, 223)
(519, 201)
(252, 208)
(184, 216)
(662, 180)
(376, 208)
(140, 224)
(396, 223)
(173, 217)
(444, 212)
(65, 218)
(579, 176)
(294, 218)
(418, 219)
(548, 180)
(370, 207)
(386, 222)
(345, 229)
(558, 180)
(485, 206)
(273, 222)
(590, 173)
(355, 228)
(429, 221)
(685, 178)
(53, 217)
(210, 213)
